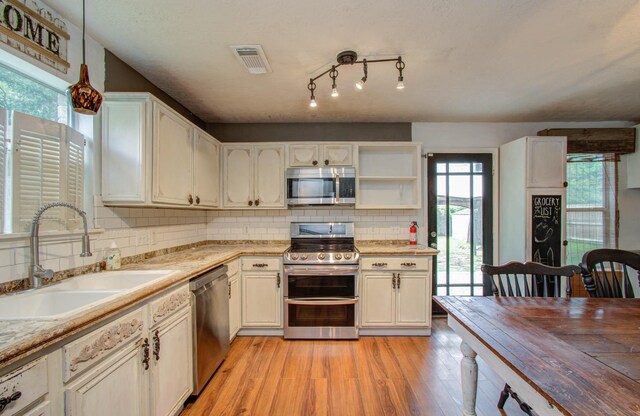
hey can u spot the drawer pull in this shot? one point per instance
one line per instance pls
(156, 345)
(408, 264)
(4, 401)
(260, 265)
(379, 264)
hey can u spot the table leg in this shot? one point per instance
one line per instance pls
(469, 369)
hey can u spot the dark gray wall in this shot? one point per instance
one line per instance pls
(120, 77)
(287, 132)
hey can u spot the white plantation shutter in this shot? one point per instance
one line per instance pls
(3, 163)
(48, 164)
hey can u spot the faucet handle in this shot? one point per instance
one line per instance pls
(42, 273)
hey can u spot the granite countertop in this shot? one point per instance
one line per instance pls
(18, 339)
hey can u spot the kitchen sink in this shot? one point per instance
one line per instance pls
(74, 295)
(50, 305)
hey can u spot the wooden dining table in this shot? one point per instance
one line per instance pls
(578, 356)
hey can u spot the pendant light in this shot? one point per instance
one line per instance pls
(83, 97)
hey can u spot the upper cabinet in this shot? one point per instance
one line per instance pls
(334, 154)
(389, 176)
(253, 176)
(152, 156)
(546, 161)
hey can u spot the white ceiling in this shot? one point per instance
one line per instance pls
(467, 60)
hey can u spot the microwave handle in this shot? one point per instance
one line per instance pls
(337, 188)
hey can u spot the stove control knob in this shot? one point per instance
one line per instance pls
(338, 256)
(294, 256)
(303, 257)
(321, 256)
(347, 256)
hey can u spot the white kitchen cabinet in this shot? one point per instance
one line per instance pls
(253, 176)
(262, 292)
(171, 368)
(396, 295)
(533, 167)
(152, 156)
(389, 176)
(172, 157)
(235, 303)
(25, 386)
(334, 154)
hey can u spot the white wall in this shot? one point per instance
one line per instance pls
(629, 198)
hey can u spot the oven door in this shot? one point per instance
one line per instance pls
(320, 281)
(323, 318)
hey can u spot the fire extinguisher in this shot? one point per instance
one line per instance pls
(413, 233)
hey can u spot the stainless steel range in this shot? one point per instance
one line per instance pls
(321, 276)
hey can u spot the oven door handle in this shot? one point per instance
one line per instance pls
(322, 301)
(325, 271)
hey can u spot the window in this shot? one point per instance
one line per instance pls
(591, 204)
(42, 158)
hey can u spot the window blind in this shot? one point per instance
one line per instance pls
(48, 166)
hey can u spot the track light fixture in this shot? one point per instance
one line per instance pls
(351, 58)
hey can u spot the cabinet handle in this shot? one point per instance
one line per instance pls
(315, 163)
(278, 279)
(260, 265)
(197, 200)
(398, 280)
(326, 162)
(4, 401)
(145, 353)
(190, 199)
(408, 264)
(229, 284)
(257, 202)
(379, 264)
(250, 203)
(393, 281)
(156, 345)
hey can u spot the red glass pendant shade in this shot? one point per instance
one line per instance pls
(83, 97)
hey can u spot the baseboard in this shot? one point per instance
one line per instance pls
(392, 332)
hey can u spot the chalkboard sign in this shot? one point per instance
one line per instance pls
(546, 244)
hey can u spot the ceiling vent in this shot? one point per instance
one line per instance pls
(252, 57)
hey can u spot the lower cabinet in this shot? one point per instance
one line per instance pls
(262, 292)
(235, 306)
(395, 293)
(139, 364)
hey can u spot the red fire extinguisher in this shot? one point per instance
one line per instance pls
(413, 233)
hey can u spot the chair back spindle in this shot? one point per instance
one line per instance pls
(611, 273)
(529, 279)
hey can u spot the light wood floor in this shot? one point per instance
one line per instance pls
(371, 376)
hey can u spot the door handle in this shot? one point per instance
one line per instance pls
(156, 345)
(322, 302)
(145, 353)
(278, 279)
(393, 281)
(229, 284)
(398, 280)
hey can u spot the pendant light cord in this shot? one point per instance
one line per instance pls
(83, 45)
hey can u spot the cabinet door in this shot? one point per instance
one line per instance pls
(546, 162)
(238, 175)
(411, 300)
(115, 387)
(172, 169)
(378, 299)
(235, 311)
(171, 364)
(269, 176)
(206, 186)
(337, 155)
(261, 299)
(304, 155)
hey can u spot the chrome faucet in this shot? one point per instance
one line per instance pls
(36, 271)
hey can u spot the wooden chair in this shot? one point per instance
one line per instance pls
(608, 273)
(527, 279)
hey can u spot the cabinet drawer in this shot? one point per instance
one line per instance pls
(233, 267)
(261, 263)
(395, 263)
(102, 342)
(31, 380)
(163, 308)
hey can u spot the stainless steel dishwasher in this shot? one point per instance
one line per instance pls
(210, 324)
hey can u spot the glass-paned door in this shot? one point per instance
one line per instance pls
(460, 221)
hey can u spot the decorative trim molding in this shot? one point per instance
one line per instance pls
(109, 339)
(169, 305)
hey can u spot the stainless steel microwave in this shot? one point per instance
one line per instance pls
(321, 186)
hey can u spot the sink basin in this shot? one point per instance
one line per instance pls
(49, 305)
(118, 280)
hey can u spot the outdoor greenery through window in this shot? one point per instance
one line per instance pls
(591, 204)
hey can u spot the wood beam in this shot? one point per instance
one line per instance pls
(602, 140)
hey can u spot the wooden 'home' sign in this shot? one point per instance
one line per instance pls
(33, 29)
